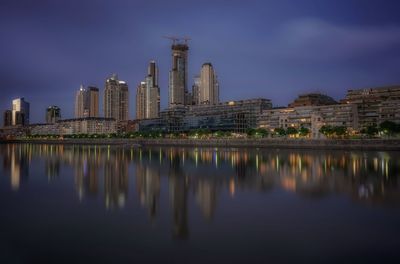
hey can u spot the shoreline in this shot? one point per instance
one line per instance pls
(348, 144)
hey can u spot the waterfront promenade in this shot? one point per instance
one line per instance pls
(348, 144)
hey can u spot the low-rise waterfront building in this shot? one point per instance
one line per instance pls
(373, 104)
(89, 125)
(311, 117)
(235, 116)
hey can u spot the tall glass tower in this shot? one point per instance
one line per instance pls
(178, 75)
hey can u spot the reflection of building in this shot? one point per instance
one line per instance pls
(178, 197)
(206, 194)
(19, 165)
(20, 112)
(116, 99)
(148, 186)
(115, 182)
(53, 114)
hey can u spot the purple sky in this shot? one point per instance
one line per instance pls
(271, 49)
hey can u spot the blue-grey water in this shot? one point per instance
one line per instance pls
(111, 204)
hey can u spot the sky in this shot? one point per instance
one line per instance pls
(269, 49)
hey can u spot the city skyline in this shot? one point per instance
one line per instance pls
(294, 67)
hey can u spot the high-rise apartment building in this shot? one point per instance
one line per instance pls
(53, 114)
(209, 88)
(92, 101)
(20, 112)
(141, 101)
(148, 94)
(87, 102)
(116, 99)
(178, 75)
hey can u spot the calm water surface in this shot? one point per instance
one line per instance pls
(109, 204)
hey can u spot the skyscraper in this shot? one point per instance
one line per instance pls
(87, 102)
(20, 112)
(53, 114)
(178, 75)
(152, 92)
(209, 88)
(141, 101)
(116, 99)
(148, 94)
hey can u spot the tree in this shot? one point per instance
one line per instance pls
(261, 132)
(291, 131)
(370, 130)
(326, 130)
(388, 127)
(279, 131)
(303, 131)
(340, 131)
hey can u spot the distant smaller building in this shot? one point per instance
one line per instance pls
(7, 118)
(312, 99)
(53, 114)
(20, 112)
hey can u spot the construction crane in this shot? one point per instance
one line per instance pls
(176, 39)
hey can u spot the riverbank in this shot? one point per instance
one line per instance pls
(348, 144)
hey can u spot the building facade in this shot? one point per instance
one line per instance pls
(7, 118)
(141, 101)
(374, 104)
(87, 102)
(152, 106)
(209, 88)
(53, 114)
(20, 112)
(236, 116)
(87, 125)
(312, 99)
(116, 99)
(311, 117)
(178, 75)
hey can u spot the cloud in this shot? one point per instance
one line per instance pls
(319, 40)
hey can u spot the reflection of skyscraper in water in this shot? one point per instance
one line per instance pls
(206, 193)
(19, 165)
(178, 189)
(115, 182)
(52, 168)
(148, 187)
